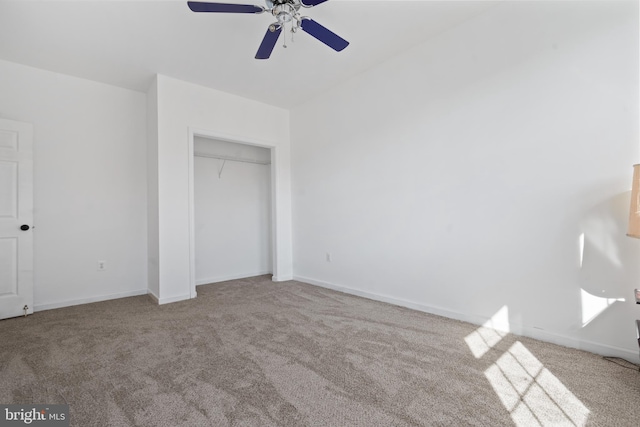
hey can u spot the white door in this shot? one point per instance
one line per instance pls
(16, 219)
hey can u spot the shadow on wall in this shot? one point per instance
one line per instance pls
(608, 261)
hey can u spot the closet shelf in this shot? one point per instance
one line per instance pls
(231, 158)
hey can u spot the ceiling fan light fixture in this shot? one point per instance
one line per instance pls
(284, 17)
(285, 12)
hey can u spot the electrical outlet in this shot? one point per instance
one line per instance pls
(102, 265)
(328, 256)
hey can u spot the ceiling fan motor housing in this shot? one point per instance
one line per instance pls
(285, 10)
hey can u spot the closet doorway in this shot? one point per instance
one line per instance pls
(232, 210)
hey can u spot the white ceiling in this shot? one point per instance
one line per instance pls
(125, 43)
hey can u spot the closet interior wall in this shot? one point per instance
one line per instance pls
(232, 201)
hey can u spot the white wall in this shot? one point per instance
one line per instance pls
(183, 106)
(232, 215)
(459, 176)
(89, 183)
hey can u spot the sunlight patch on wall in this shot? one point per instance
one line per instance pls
(593, 306)
(489, 334)
(531, 393)
(581, 248)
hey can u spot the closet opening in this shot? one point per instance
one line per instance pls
(231, 210)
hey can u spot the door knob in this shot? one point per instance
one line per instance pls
(24, 227)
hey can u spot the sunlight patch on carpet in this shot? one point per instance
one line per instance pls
(489, 334)
(531, 393)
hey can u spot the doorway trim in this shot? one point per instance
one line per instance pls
(193, 133)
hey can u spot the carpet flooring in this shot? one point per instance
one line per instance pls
(252, 352)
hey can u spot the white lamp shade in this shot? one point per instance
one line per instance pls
(634, 210)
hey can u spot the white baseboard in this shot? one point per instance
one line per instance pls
(69, 303)
(581, 344)
(539, 334)
(284, 278)
(229, 277)
(169, 300)
(477, 320)
(161, 301)
(153, 296)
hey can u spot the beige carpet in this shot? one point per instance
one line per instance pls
(256, 353)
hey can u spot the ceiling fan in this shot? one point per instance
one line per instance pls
(286, 12)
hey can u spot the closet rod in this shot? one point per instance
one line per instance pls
(233, 159)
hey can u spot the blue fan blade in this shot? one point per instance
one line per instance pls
(312, 2)
(268, 43)
(327, 37)
(197, 6)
